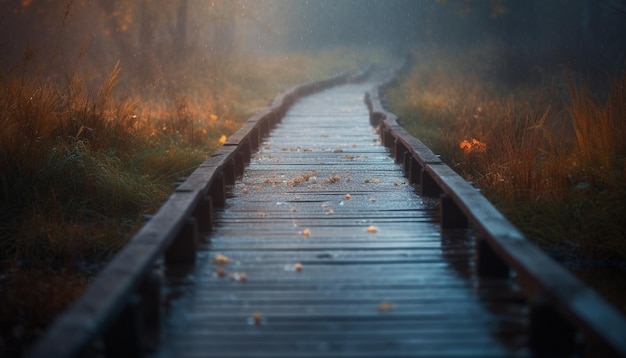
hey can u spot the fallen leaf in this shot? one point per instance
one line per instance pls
(239, 276)
(256, 319)
(386, 306)
(220, 259)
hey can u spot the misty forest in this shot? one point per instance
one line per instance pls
(104, 104)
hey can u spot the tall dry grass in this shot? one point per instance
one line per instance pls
(80, 166)
(550, 155)
(599, 130)
(59, 152)
(85, 157)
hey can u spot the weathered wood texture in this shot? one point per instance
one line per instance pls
(378, 277)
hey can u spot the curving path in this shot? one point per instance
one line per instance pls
(331, 253)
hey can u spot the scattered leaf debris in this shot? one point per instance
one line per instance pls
(256, 319)
(220, 259)
(347, 196)
(373, 181)
(305, 232)
(386, 306)
(239, 276)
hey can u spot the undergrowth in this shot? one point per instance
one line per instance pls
(550, 154)
(79, 168)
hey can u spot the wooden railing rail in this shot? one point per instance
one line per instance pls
(562, 308)
(118, 314)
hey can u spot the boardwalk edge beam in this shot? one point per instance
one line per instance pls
(504, 247)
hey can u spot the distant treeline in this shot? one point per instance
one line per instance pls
(152, 37)
(580, 34)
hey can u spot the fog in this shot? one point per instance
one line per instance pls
(152, 38)
(587, 35)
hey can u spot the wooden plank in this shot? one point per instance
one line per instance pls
(436, 301)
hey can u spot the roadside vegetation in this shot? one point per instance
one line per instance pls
(103, 106)
(547, 149)
(80, 169)
(89, 143)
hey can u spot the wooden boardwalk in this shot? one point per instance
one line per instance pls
(332, 253)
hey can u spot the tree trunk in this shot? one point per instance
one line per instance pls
(180, 32)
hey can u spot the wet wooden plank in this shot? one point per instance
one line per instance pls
(378, 277)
